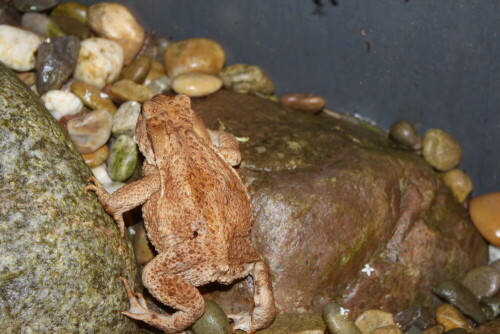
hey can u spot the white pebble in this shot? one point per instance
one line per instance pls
(61, 103)
(102, 175)
(99, 62)
(18, 47)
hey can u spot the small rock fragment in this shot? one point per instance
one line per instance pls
(122, 158)
(34, 5)
(483, 281)
(161, 85)
(336, 322)
(441, 150)
(41, 24)
(459, 183)
(194, 55)
(458, 295)
(213, 321)
(93, 97)
(405, 133)
(485, 214)
(72, 9)
(99, 61)
(125, 119)
(196, 84)
(418, 316)
(96, 158)
(244, 78)
(304, 102)
(450, 317)
(142, 247)
(18, 47)
(137, 70)
(127, 90)
(115, 22)
(373, 319)
(56, 60)
(61, 103)
(90, 131)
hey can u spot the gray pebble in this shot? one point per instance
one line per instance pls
(125, 119)
(34, 5)
(40, 24)
(483, 281)
(122, 158)
(336, 322)
(458, 295)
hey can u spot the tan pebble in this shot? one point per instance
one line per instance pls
(97, 158)
(438, 329)
(196, 84)
(459, 183)
(93, 97)
(194, 55)
(142, 248)
(304, 102)
(90, 131)
(243, 78)
(391, 329)
(115, 22)
(373, 319)
(405, 133)
(441, 150)
(485, 214)
(127, 90)
(450, 317)
(29, 78)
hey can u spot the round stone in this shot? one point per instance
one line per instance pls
(196, 84)
(90, 131)
(93, 97)
(244, 78)
(304, 102)
(405, 133)
(122, 158)
(483, 281)
(71, 26)
(99, 61)
(142, 247)
(137, 70)
(72, 9)
(450, 317)
(34, 5)
(56, 60)
(18, 47)
(213, 321)
(441, 150)
(61, 103)
(373, 319)
(40, 24)
(336, 320)
(459, 183)
(127, 90)
(485, 214)
(194, 55)
(114, 21)
(96, 158)
(125, 119)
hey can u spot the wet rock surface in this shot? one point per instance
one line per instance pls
(330, 196)
(61, 253)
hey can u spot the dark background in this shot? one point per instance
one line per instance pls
(434, 63)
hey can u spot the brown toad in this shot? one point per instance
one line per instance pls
(197, 215)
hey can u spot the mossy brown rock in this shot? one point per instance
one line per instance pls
(330, 195)
(61, 254)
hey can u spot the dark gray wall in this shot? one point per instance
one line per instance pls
(434, 63)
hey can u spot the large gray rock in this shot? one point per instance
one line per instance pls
(60, 253)
(331, 195)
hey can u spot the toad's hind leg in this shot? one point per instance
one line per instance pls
(168, 279)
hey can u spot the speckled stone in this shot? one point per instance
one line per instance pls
(441, 150)
(336, 322)
(483, 281)
(122, 158)
(243, 78)
(213, 321)
(373, 319)
(125, 119)
(61, 252)
(55, 62)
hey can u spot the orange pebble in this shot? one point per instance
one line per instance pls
(485, 214)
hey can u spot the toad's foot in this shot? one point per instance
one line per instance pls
(242, 321)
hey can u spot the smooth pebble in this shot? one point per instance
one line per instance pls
(96, 158)
(142, 247)
(93, 97)
(61, 103)
(243, 78)
(127, 90)
(161, 85)
(40, 24)
(90, 131)
(137, 70)
(102, 175)
(213, 321)
(99, 61)
(125, 119)
(485, 214)
(122, 158)
(304, 102)
(441, 150)
(18, 47)
(194, 55)
(483, 281)
(196, 84)
(55, 62)
(29, 78)
(72, 9)
(34, 5)
(405, 133)
(336, 322)
(114, 21)
(418, 316)
(373, 319)
(70, 26)
(450, 317)
(459, 183)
